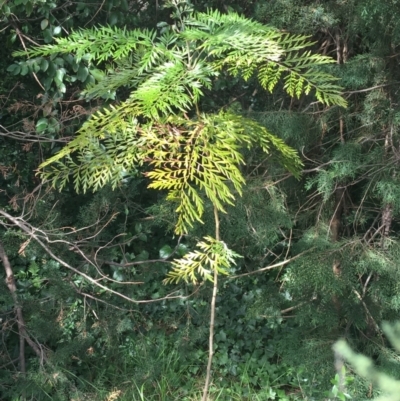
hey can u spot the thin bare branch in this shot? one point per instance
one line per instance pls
(31, 233)
(284, 262)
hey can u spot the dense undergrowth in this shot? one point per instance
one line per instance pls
(332, 234)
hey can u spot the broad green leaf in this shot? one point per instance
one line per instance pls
(47, 35)
(44, 24)
(24, 69)
(182, 249)
(61, 87)
(142, 237)
(47, 82)
(143, 255)
(60, 74)
(52, 69)
(138, 228)
(113, 19)
(221, 336)
(82, 73)
(165, 252)
(15, 69)
(44, 65)
(28, 8)
(42, 125)
(89, 81)
(35, 66)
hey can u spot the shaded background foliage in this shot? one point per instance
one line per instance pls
(275, 329)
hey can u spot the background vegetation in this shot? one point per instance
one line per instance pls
(319, 254)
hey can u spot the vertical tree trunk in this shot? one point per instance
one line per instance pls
(339, 193)
(387, 211)
(23, 334)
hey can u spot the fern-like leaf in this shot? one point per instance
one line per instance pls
(213, 255)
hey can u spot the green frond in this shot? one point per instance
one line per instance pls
(254, 133)
(244, 47)
(269, 75)
(116, 122)
(214, 19)
(184, 62)
(171, 87)
(190, 159)
(93, 161)
(184, 169)
(99, 43)
(213, 165)
(124, 75)
(213, 256)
